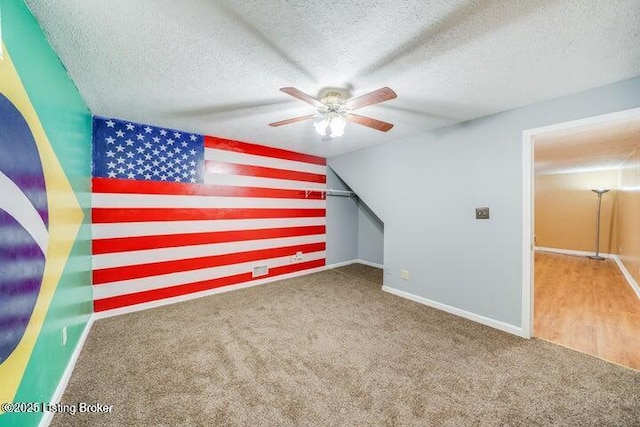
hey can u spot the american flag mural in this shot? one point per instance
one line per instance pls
(176, 213)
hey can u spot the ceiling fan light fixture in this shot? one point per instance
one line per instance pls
(334, 113)
(331, 123)
(337, 125)
(321, 126)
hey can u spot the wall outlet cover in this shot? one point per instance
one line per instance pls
(404, 275)
(482, 213)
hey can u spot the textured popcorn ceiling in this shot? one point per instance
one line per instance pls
(215, 67)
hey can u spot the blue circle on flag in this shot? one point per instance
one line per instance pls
(21, 259)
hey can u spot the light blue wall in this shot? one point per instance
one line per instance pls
(370, 235)
(425, 188)
(353, 230)
(342, 223)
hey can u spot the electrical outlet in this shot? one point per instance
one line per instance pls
(64, 336)
(404, 275)
(482, 213)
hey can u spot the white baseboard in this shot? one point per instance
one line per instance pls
(571, 252)
(369, 263)
(497, 324)
(354, 261)
(627, 275)
(341, 264)
(222, 289)
(66, 376)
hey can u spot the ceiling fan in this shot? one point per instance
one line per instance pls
(335, 111)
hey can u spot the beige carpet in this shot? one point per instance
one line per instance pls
(332, 349)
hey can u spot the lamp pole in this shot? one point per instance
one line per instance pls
(597, 256)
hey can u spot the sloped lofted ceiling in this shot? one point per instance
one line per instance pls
(215, 67)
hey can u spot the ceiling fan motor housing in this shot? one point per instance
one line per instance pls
(333, 103)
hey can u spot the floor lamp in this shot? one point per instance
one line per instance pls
(597, 255)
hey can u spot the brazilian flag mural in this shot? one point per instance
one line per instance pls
(45, 282)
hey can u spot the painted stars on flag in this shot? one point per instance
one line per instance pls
(126, 150)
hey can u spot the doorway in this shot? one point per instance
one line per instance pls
(577, 257)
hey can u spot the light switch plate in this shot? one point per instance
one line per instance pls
(482, 213)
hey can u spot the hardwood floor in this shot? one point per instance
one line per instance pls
(587, 305)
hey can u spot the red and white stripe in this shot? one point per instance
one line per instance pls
(159, 240)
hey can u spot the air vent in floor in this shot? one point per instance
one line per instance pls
(260, 270)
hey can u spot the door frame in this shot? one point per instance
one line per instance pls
(528, 194)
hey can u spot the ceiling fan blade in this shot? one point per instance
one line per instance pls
(301, 96)
(375, 97)
(293, 120)
(369, 122)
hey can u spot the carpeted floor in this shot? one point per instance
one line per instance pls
(332, 349)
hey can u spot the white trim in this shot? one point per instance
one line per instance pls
(527, 200)
(334, 265)
(66, 376)
(571, 252)
(497, 324)
(341, 264)
(369, 263)
(627, 275)
(527, 234)
(354, 261)
(223, 289)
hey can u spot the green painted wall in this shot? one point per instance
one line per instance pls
(67, 124)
